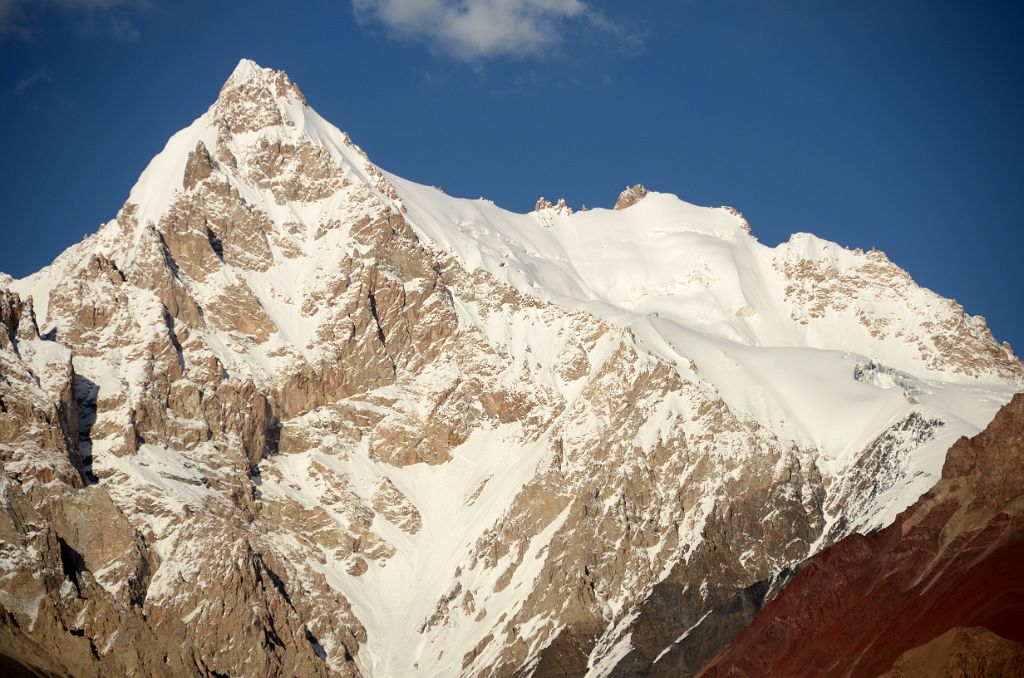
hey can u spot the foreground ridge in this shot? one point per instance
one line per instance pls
(937, 592)
(290, 414)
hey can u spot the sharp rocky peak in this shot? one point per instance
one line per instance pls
(228, 185)
(250, 75)
(255, 97)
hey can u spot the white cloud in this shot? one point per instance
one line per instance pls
(474, 30)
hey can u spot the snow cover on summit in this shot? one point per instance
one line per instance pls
(780, 331)
(466, 399)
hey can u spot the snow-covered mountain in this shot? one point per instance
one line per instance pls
(290, 414)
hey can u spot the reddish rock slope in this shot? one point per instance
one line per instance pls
(891, 600)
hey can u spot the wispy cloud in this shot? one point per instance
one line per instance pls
(517, 85)
(477, 30)
(39, 77)
(96, 18)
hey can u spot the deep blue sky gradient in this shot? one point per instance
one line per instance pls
(897, 124)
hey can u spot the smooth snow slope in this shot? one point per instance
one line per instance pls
(693, 285)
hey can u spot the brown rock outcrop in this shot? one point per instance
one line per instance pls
(198, 166)
(631, 196)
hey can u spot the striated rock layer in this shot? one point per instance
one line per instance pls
(288, 414)
(938, 592)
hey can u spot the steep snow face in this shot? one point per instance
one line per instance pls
(458, 432)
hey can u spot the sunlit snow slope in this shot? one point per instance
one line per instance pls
(696, 288)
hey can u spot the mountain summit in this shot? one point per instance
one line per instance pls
(290, 414)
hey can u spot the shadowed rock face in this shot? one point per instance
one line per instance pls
(939, 592)
(961, 652)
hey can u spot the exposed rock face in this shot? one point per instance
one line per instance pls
(289, 415)
(820, 286)
(936, 593)
(78, 585)
(560, 207)
(198, 166)
(630, 196)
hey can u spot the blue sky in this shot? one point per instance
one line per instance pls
(895, 124)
